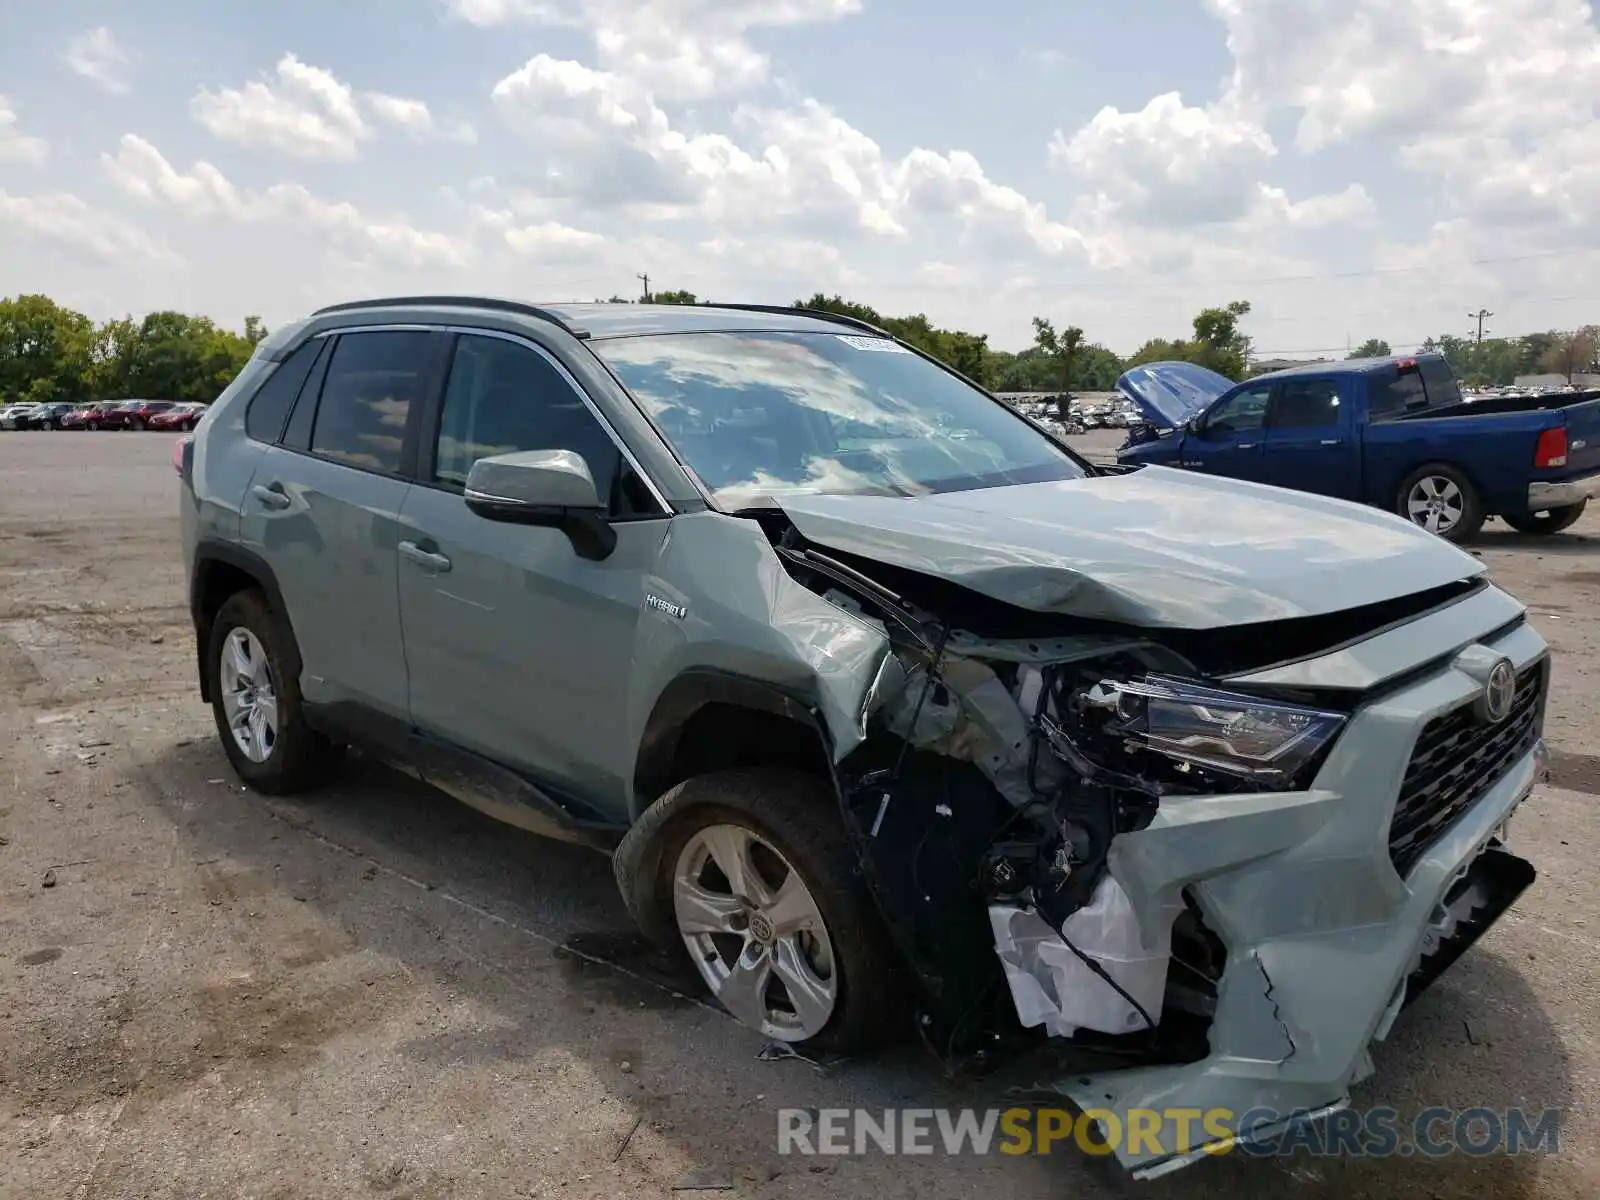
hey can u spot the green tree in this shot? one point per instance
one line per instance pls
(1570, 353)
(1218, 342)
(1064, 348)
(966, 352)
(45, 350)
(1372, 348)
(254, 330)
(674, 298)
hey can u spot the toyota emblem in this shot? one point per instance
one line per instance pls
(1499, 691)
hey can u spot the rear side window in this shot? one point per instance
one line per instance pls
(269, 407)
(1306, 404)
(373, 380)
(1440, 381)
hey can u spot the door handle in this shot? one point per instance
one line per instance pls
(424, 558)
(271, 495)
(1331, 442)
(1245, 446)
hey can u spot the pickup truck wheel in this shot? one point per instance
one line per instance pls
(1440, 499)
(755, 878)
(1552, 520)
(255, 697)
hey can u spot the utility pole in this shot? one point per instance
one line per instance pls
(646, 280)
(1480, 316)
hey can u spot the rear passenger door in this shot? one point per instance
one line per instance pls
(1310, 442)
(520, 650)
(323, 507)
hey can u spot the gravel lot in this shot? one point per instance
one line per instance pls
(204, 992)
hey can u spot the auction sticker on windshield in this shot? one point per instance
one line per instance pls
(881, 345)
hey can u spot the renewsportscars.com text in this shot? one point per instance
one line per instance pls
(1374, 1132)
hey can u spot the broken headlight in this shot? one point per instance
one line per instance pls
(1265, 741)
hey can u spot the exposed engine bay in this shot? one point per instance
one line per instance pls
(995, 774)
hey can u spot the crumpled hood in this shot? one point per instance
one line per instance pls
(1155, 547)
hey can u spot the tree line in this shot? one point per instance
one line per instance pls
(51, 352)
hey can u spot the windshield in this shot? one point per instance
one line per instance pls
(763, 415)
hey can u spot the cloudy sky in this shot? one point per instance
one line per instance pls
(1352, 167)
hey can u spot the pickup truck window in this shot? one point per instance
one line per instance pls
(1429, 383)
(1306, 404)
(1243, 412)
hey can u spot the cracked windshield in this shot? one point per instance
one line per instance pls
(758, 416)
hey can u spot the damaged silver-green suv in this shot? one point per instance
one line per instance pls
(888, 707)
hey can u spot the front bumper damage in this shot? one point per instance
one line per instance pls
(1325, 940)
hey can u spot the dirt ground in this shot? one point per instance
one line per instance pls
(374, 991)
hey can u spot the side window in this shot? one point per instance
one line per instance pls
(1306, 404)
(269, 407)
(1392, 400)
(1244, 412)
(504, 397)
(373, 380)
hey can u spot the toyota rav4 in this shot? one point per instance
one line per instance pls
(885, 703)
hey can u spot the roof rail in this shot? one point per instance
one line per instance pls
(490, 302)
(791, 310)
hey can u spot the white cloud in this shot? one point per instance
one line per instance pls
(299, 110)
(1168, 164)
(609, 143)
(141, 171)
(1499, 100)
(414, 118)
(67, 220)
(680, 49)
(98, 57)
(16, 146)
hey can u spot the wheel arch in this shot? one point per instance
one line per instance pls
(222, 569)
(708, 720)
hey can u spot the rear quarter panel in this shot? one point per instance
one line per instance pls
(1583, 441)
(1495, 451)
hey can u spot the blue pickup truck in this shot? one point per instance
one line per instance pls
(1392, 432)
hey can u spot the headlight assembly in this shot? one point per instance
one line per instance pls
(1265, 741)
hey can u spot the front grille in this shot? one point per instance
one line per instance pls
(1456, 759)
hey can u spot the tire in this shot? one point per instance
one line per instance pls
(1441, 499)
(136, 424)
(295, 758)
(1552, 520)
(793, 820)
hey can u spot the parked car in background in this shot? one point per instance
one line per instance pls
(45, 416)
(12, 413)
(180, 416)
(1391, 432)
(83, 416)
(131, 414)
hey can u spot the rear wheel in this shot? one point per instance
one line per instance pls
(1552, 520)
(255, 697)
(757, 881)
(1442, 500)
(136, 423)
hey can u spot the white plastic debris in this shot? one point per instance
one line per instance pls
(1051, 986)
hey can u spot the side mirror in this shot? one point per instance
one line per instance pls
(543, 487)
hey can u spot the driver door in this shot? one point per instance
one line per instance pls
(517, 648)
(1228, 440)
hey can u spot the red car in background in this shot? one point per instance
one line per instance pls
(82, 418)
(179, 416)
(130, 414)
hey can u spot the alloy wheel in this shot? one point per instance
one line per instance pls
(248, 698)
(755, 932)
(1435, 502)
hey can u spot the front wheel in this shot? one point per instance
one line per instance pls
(255, 697)
(136, 424)
(756, 879)
(1552, 520)
(1441, 499)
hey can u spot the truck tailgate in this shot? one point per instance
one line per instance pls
(1583, 439)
